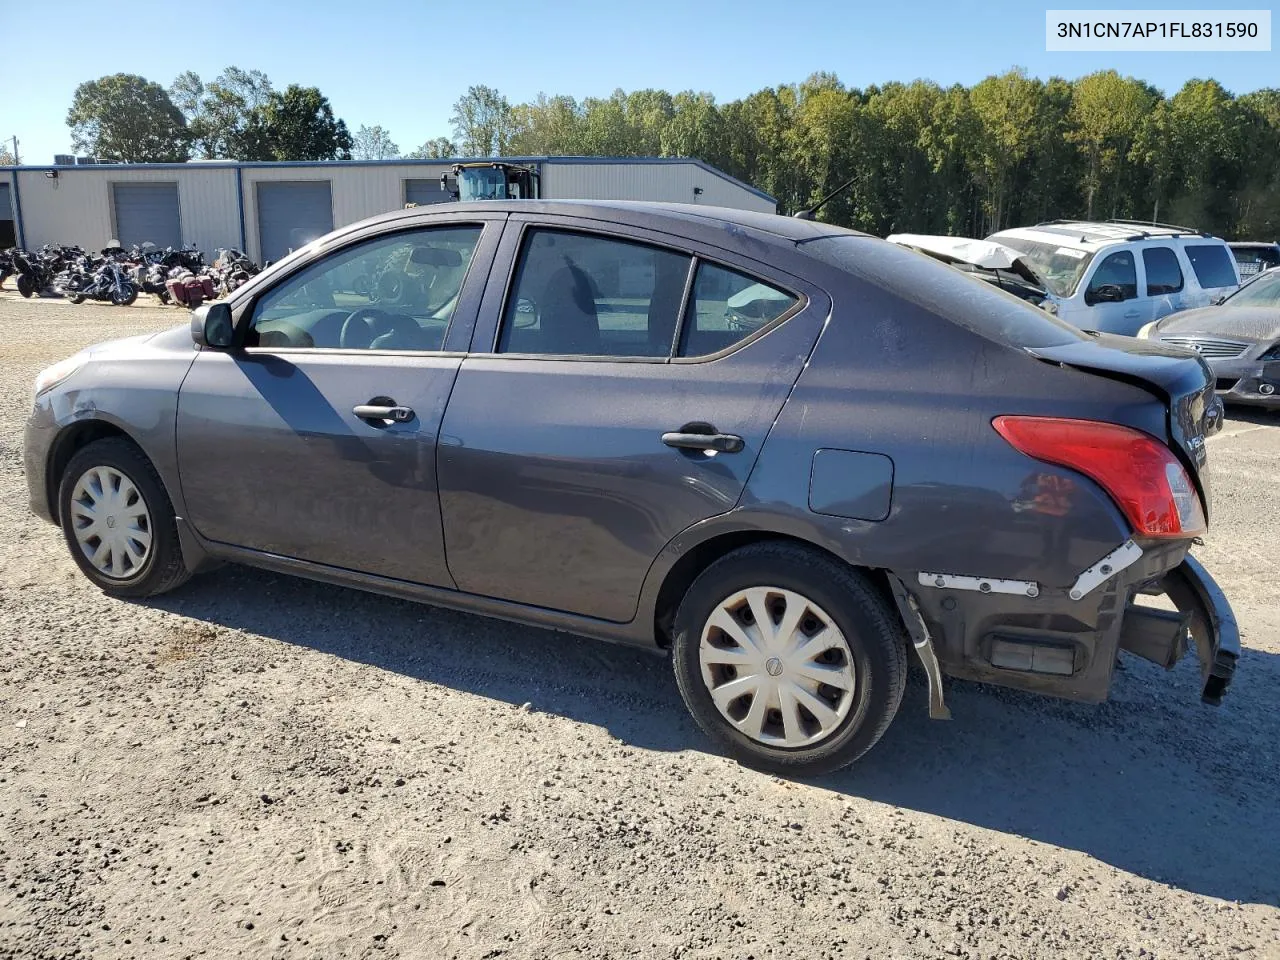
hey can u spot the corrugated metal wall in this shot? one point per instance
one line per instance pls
(358, 191)
(76, 207)
(669, 182)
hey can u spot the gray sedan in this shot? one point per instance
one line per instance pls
(785, 454)
(1239, 339)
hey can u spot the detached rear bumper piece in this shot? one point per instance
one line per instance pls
(1211, 623)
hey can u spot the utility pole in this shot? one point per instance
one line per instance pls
(17, 161)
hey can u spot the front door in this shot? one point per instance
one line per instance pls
(599, 415)
(317, 439)
(1117, 270)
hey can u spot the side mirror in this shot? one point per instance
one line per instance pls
(1107, 293)
(211, 326)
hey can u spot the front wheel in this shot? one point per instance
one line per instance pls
(124, 294)
(791, 659)
(118, 521)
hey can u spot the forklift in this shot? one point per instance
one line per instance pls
(491, 180)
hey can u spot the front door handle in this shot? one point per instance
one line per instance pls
(378, 411)
(1132, 314)
(718, 442)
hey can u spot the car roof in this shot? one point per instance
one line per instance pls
(1253, 245)
(666, 217)
(1093, 235)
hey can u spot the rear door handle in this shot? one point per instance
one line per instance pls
(374, 411)
(719, 442)
(1132, 314)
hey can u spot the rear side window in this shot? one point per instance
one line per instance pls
(1212, 264)
(578, 294)
(1163, 273)
(727, 307)
(1117, 270)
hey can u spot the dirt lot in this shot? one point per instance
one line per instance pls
(263, 767)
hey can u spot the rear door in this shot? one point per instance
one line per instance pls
(607, 366)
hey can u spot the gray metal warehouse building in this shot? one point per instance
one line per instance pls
(266, 209)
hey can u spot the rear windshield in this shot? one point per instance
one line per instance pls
(1213, 264)
(960, 297)
(1059, 268)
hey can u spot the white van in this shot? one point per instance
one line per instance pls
(1120, 275)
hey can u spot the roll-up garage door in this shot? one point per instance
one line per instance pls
(8, 233)
(291, 214)
(147, 213)
(424, 191)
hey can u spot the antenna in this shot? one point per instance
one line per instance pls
(811, 213)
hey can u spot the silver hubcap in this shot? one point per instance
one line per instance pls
(777, 667)
(111, 522)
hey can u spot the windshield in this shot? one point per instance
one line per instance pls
(1059, 268)
(1262, 292)
(484, 183)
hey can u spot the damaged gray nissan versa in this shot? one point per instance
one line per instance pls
(787, 453)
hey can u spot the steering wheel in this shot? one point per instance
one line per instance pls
(367, 324)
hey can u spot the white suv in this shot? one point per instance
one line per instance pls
(1120, 275)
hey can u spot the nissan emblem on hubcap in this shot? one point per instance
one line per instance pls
(774, 667)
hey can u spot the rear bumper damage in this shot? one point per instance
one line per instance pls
(1064, 641)
(1211, 624)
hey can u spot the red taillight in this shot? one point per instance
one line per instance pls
(1140, 473)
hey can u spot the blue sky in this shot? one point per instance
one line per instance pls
(402, 64)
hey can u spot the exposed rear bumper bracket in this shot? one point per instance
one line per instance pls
(919, 634)
(1123, 556)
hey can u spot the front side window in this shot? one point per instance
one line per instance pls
(1117, 270)
(726, 308)
(1263, 292)
(1213, 265)
(1163, 273)
(392, 293)
(579, 294)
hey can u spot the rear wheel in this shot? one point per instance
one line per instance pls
(792, 660)
(118, 521)
(75, 296)
(26, 286)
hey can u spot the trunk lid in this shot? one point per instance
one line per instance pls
(1179, 377)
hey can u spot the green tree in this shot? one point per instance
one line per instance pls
(482, 122)
(218, 113)
(297, 124)
(373, 143)
(441, 148)
(548, 126)
(1107, 113)
(127, 117)
(1004, 112)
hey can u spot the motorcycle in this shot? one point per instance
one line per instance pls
(6, 266)
(34, 273)
(108, 282)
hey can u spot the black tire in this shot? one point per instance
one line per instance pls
(125, 295)
(162, 568)
(26, 286)
(75, 297)
(871, 627)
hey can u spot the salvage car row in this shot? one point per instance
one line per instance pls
(1174, 284)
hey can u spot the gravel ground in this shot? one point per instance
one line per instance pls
(260, 766)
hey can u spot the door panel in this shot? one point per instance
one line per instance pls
(273, 459)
